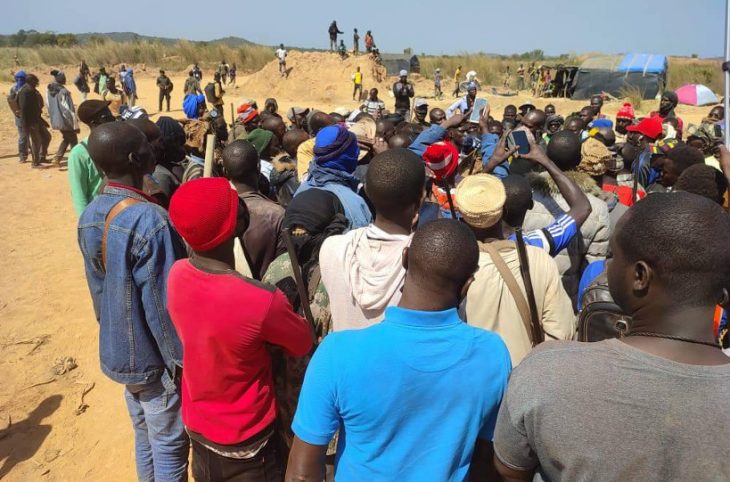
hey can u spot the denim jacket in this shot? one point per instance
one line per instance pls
(137, 341)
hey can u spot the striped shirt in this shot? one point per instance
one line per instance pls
(554, 238)
(374, 107)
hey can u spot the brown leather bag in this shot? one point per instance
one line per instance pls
(492, 249)
(115, 211)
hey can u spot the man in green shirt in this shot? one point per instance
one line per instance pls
(83, 176)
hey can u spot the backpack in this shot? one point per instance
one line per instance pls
(601, 318)
(210, 93)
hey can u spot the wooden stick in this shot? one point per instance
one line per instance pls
(209, 150)
(301, 287)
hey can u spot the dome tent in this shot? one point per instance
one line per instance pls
(613, 73)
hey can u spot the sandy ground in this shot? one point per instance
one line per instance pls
(45, 308)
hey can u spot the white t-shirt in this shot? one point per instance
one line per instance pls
(281, 53)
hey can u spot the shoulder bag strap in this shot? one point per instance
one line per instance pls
(492, 249)
(115, 211)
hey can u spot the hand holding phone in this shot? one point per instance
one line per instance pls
(477, 110)
(519, 139)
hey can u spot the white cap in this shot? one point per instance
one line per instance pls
(403, 73)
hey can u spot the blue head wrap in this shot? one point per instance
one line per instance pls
(20, 77)
(336, 148)
(602, 123)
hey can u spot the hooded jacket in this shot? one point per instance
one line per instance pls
(61, 108)
(592, 245)
(363, 274)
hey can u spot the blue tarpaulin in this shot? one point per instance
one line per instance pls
(644, 63)
(613, 74)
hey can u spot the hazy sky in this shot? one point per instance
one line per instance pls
(676, 27)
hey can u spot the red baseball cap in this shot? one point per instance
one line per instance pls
(441, 158)
(651, 127)
(204, 212)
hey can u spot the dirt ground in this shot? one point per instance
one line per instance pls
(46, 431)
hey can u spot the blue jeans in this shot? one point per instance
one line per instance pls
(22, 140)
(161, 443)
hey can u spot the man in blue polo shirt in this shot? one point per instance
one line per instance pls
(415, 394)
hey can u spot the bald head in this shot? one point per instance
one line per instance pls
(318, 121)
(442, 257)
(292, 139)
(534, 117)
(120, 149)
(564, 150)
(274, 124)
(437, 115)
(241, 162)
(399, 140)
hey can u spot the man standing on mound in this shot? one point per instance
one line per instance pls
(281, 55)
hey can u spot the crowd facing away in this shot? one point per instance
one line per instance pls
(414, 294)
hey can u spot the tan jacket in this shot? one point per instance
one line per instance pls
(490, 305)
(592, 244)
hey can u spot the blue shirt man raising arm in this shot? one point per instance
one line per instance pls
(415, 395)
(129, 246)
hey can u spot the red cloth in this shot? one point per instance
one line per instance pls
(624, 193)
(441, 159)
(225, 322)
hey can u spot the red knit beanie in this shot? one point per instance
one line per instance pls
(626, 111)
(441, 158)
(204, 212)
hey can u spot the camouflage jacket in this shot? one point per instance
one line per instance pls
(289, 371)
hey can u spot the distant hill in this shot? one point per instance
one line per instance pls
(233, 42)
(51, 38)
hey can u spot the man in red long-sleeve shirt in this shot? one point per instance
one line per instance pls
(225, 321)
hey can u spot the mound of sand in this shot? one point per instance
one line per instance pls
(319, 77)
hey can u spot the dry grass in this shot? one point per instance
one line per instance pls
(634, 94)
(249, 58)
(490, 69)
(174, 57)
(693, 71)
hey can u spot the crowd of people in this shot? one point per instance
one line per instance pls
(393, 295)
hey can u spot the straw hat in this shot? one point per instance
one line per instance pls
(481, 199)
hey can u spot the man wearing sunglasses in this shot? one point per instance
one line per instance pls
(83, 176)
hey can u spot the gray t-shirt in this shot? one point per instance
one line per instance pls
(608, 411)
